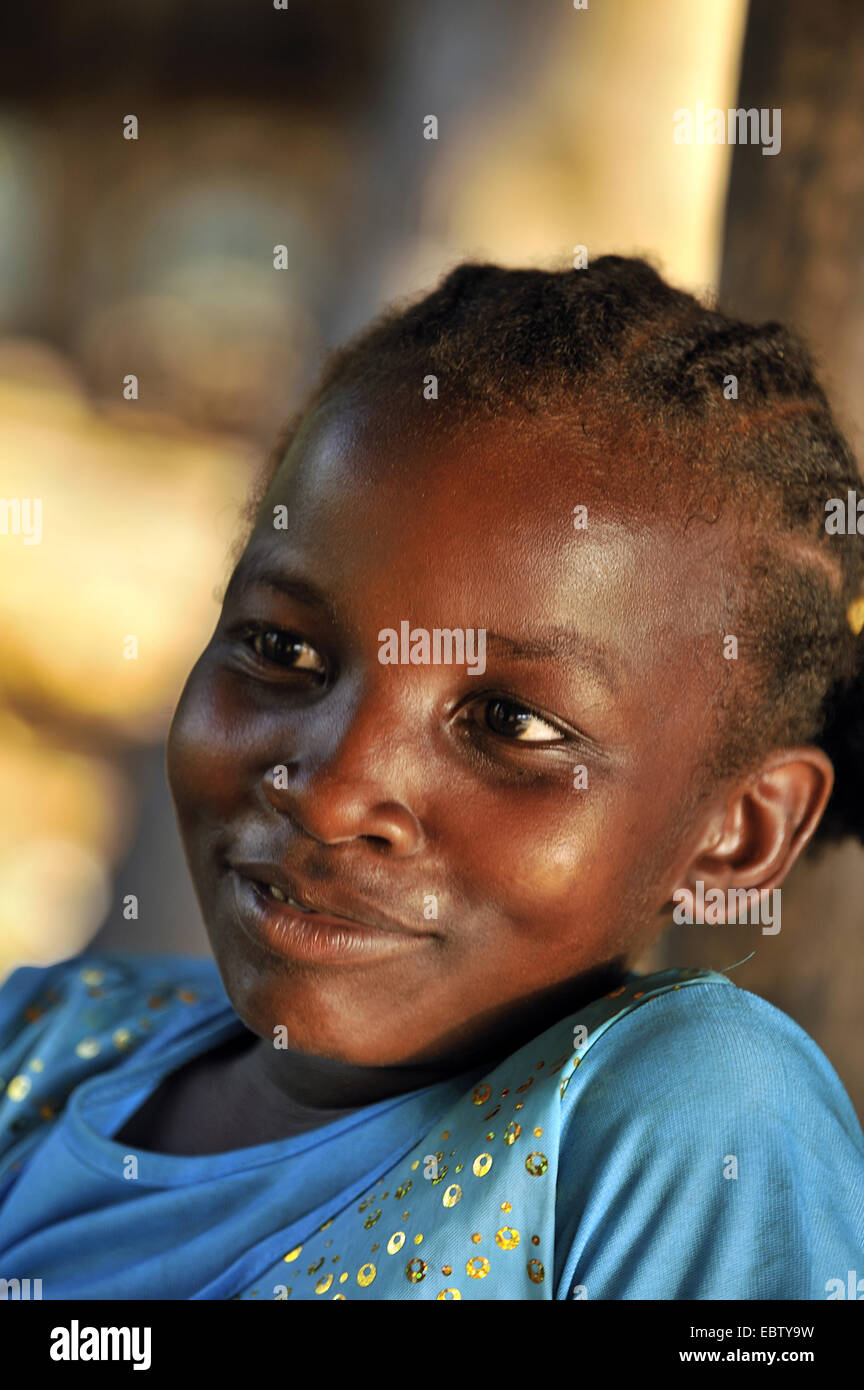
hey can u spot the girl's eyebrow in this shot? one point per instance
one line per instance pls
(549, 644)
(258, 570)
(555, 643)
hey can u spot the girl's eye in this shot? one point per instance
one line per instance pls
(286, 649)
(516, 722)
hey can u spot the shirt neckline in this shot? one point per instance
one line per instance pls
(137, 1082)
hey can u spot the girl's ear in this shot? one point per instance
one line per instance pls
(766, 823)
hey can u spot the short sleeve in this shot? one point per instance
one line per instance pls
(708, 1151)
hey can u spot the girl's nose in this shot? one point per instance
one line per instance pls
(363, 784)
(332, 808)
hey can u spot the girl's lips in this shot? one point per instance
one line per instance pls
(310, 936)
(338, 905)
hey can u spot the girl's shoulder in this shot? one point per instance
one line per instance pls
(96, 986)
(695, 1040)
(62, 1023)
(721, 1138)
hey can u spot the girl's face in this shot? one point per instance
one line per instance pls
(510, 837)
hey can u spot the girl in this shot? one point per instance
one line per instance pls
(422, 1065)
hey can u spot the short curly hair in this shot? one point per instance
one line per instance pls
(614, 340)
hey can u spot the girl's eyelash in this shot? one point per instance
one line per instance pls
(247, 634)
(487, 701)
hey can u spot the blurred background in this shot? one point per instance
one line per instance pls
(152, 156)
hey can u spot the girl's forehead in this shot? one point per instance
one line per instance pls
(520, 467)
(498, 527)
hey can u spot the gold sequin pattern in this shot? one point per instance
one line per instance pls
(536, 1164)
(507, 1238)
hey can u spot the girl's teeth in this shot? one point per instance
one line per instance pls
(285, 898)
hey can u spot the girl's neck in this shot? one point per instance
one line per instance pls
(312, 1082)
(324, 1083)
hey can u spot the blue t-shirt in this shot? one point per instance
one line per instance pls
(677, 1139)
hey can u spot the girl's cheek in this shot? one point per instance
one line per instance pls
(203, 762)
